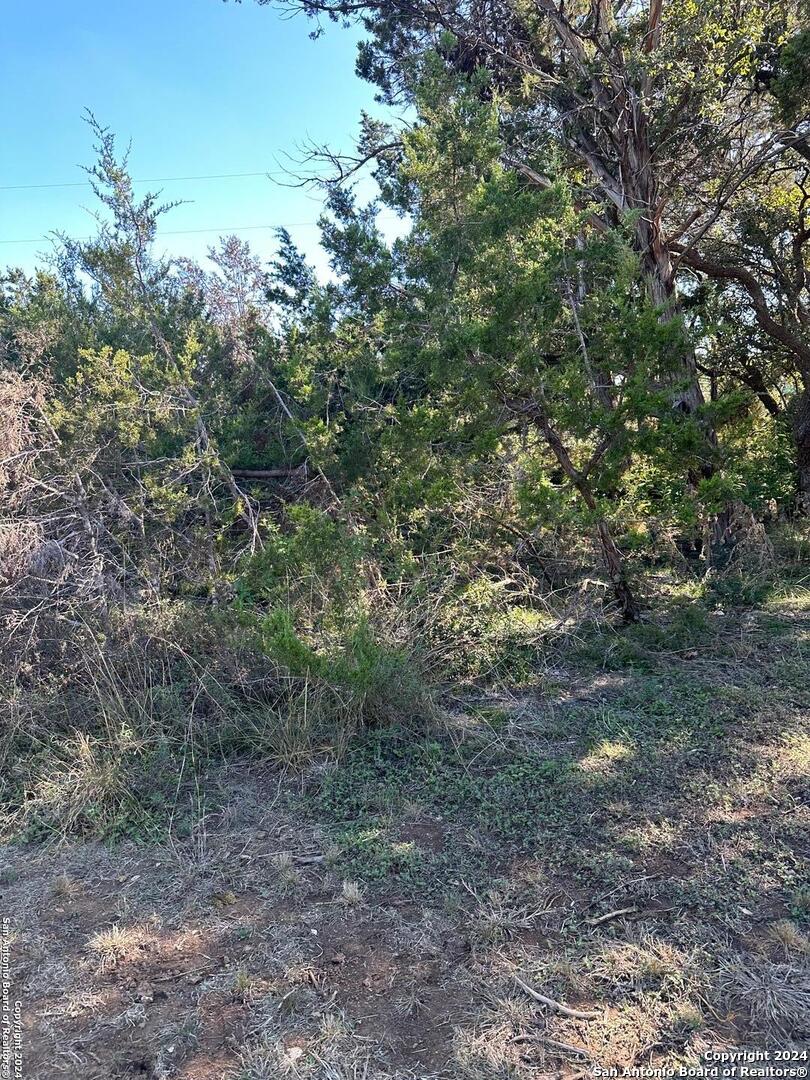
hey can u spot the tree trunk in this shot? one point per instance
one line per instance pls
(615, 568)
(793, 338)
(656, 261)
(659, 275)
(614, 563)
(800, 427)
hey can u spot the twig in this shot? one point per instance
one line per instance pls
(180, 974)
(302, 860)
(575, 1014)
(552, 1043)
(624, 885)
(282, 473)
(612, 915)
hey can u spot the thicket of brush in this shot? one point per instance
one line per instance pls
(245, 513)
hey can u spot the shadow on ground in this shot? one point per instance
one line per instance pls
(629, 839)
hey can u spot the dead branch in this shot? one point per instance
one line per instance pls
(611, 915)
(555, 1044)
(564, 1010)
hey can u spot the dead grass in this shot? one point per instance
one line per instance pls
(117, 943)
(775, 996)
(351, 894)
(629, 838)
(788, 938)
(502, 913)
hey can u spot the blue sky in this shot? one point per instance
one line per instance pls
(199, 86)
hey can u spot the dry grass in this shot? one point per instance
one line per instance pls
(776, 996)
(65, 887)
(367, 920)
(351, 894)
(787, 937)
(289, 875)
(502, 913)
(117, 943)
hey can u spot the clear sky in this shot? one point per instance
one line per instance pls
(199, 86)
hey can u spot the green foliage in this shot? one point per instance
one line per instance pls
(313, 554)
(282, 643)
(485, 633)
(410, 470)
(511, 800)
(791, 84)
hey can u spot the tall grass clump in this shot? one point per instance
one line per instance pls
(145, 702)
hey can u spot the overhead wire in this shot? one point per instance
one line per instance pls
(155, 180)
(180, 232)
(163, 180)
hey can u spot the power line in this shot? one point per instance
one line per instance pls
(155, 180)
(189, 232)
(182, 232)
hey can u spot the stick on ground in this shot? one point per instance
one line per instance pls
(575, 1014)
(612, 915)
(555, 1044)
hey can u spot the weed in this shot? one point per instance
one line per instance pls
(799, 902)
(289, 876)
(117, 943)
(499, 915)
(65, 887)
(351, 894)
(263, 1060)
(244, 985)
(688, 1017)
(789, 939)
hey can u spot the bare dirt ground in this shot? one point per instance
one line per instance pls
(629, 841)
(182, 961)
